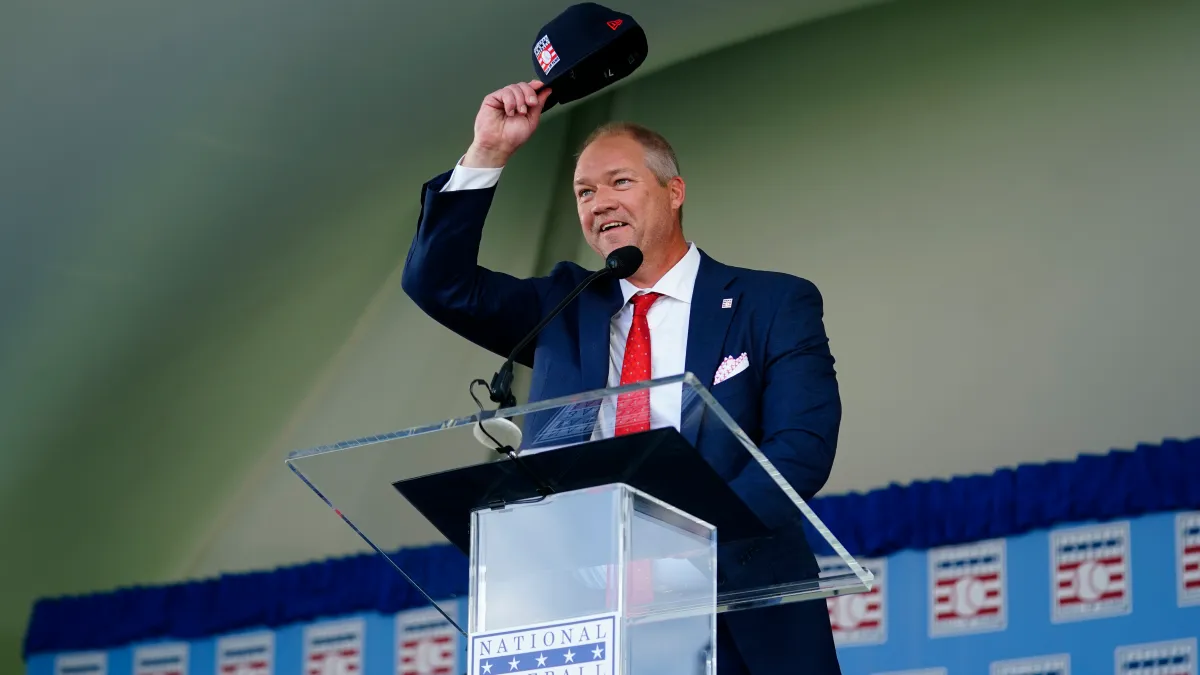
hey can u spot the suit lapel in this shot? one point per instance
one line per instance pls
(597, 305)
(709, 324)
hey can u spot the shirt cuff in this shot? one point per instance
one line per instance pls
(471, 178)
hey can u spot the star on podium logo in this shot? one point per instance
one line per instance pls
(551, 649)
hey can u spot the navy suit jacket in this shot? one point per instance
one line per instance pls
(786, 401)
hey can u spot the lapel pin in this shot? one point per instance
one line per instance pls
(727, 303)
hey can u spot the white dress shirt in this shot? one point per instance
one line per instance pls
(471, 178)
(668, 319)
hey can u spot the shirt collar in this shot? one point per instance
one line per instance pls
(677, 283)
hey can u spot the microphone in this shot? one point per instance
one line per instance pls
(624, 261)
(621, 263)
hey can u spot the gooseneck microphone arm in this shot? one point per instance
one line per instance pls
(621, 263)
(501, 386)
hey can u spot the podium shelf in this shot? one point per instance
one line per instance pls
(422, 486)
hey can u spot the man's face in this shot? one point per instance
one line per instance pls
(619, 199)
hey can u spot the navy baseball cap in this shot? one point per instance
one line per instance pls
(586, 48)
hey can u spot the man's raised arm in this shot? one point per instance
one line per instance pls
(442, 274)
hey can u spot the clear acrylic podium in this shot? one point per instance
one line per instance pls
(591, 552)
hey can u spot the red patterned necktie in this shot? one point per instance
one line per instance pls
(633, 408)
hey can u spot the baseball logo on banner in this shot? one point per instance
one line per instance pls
(1090, 572)
(858, 618)
(967, 589)
(81, 663)
(248, 654)
(164, 659)
(426, 643)
(334, 648)
(1187, 557)
(1174, 657)
(1058, 664)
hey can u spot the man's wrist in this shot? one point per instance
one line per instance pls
(482, 157)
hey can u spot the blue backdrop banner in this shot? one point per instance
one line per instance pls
(1039, 562)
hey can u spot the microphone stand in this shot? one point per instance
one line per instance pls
(620, 263)
(500, 390)
(501, 387)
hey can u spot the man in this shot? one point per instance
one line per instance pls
(681, 311)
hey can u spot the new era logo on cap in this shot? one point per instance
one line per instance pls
(615, 24)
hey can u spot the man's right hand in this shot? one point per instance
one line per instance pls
(507, 118)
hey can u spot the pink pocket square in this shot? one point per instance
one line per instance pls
(729, 367)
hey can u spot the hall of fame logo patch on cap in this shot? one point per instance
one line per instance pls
(547, 58)
(1089, 572)
(967, 589)
(583, 646)
(1187, 557)
(858, 618)
(1172, 657)
(1057, 664)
